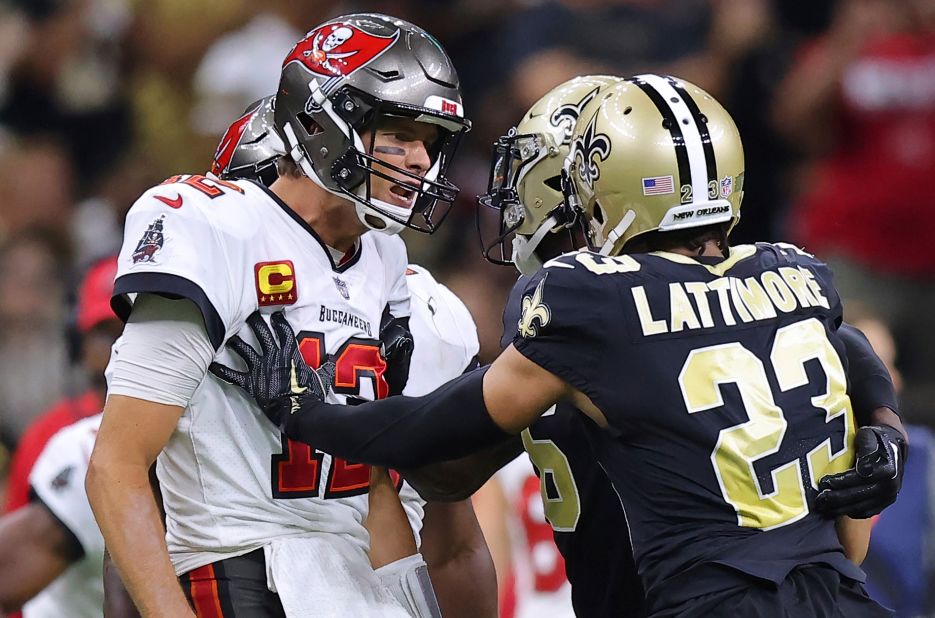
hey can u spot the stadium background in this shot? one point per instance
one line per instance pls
(835, 100)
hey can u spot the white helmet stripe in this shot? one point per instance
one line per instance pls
(702, 123)
(689, 128)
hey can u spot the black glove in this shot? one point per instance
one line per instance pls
(872, 484)
(278, 378)
(396, 346)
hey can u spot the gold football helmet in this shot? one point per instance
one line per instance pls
(525, 174)
(654, 152)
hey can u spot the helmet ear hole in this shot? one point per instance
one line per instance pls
(308, 124)
(554, 183)
(598, 213)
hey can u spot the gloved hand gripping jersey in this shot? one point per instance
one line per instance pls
(278, 378)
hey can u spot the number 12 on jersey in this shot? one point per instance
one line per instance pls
(297, 472)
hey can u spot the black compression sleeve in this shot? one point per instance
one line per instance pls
(871, 386)
(402, 432)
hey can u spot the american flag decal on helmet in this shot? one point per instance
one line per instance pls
(658, 185)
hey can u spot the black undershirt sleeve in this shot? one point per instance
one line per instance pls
(870, 384)
(402, 432)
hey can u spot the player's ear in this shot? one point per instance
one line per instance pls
(309, 123)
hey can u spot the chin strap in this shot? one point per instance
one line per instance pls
(524, 257)
(615, 234)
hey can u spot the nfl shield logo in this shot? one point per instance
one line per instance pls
(727, 186)
(342, 288)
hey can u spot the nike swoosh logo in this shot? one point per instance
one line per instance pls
(294, 383)
(296, 390)
(176, 203)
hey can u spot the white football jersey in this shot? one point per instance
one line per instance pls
(339, 581)
(58, 480)
(445, 345)
(542, 590)
(443, 331)
(230, 481)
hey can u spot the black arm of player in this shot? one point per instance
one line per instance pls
(870, 384)
(398, 432)
(881, 443)
(446, 481)
(456, 480)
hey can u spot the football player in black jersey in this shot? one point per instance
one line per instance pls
(716, 374)
(579, 500)
(525, 200)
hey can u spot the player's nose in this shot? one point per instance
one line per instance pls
(418, 160)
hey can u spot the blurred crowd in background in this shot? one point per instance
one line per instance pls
(99, 99)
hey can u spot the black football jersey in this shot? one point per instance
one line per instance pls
(586, 516)
(724, 387)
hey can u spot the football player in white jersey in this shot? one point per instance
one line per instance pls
(370, 112)
(51, 549)
(447, 346)
(453, 544)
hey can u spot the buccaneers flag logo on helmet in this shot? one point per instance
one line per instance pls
(339, 49)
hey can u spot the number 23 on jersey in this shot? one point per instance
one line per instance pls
(740, 446)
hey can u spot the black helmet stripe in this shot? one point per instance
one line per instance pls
(679, 114)
(710, 159)
(678, 141)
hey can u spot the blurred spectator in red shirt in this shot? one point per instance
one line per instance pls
(95, 330)
(861, 102)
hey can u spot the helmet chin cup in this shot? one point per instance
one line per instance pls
(370, 216)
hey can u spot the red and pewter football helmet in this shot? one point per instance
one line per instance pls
(250, 146)
(338, 80)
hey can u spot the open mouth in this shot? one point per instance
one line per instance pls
(402, 195)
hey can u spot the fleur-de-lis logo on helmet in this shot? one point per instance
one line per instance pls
(587, 146)
(565, 117)
(534, 310)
